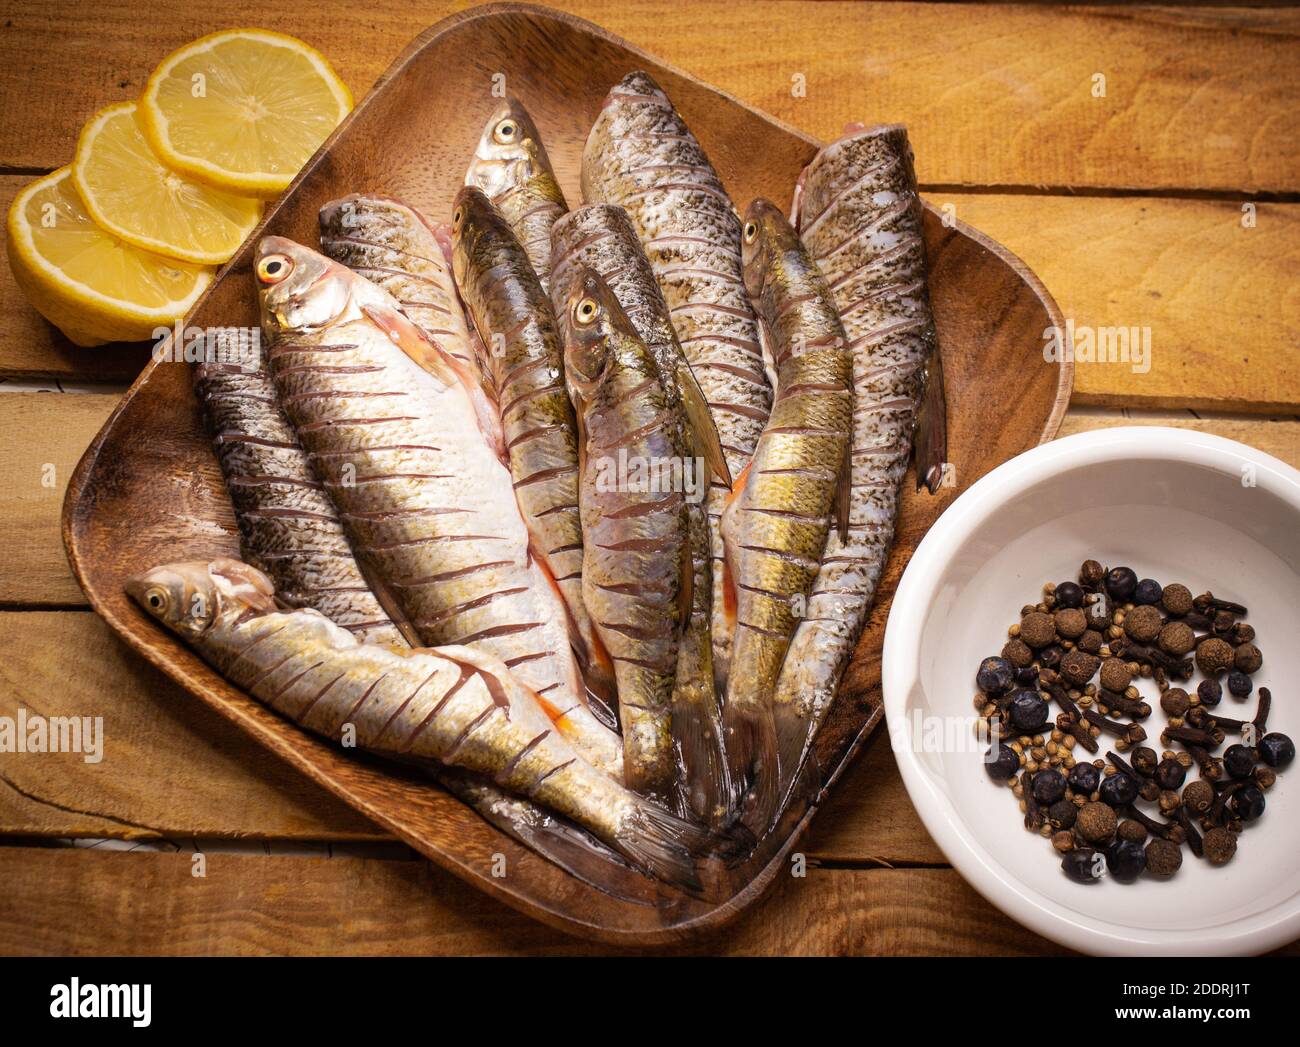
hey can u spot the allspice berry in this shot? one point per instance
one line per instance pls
(1017, 653)
(1091, 574)
(1070, 622)
(1198, 796)
(1247, 658)
(1177, 638)
(1037, 629)
(1131, 830)
(1214, 656)
(1078, 667)
(1098, 613)
(1096, 822)
(1176, 599)
(1143, 623)
(1175, 701)
(1220, 845)
(1090, 641)
(1164, 858)
(1115, 675)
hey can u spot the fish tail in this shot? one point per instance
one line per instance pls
(930, 443)
(793, 735)
(751, 751)
(669, 848)
(706, 782)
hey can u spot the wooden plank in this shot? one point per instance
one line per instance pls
(80, 902)
(42, 436)
(1213, 285)
(170, 767)
(1279, 437)
(1220, 299)
(993, 96)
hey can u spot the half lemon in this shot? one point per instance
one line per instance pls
(243, 109)
(129, 192)
(91, 285)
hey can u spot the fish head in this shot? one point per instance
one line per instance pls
(764, 238)
(476, 225)
(299, 289)
(509, 152)
(590, 321)
(188, 597)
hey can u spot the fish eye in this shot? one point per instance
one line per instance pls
(274, 268)
(751, 231)
(156, 598)
(585, 311)
(459, 214)
(506, 131)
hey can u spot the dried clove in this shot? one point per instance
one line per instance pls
(1133, 733)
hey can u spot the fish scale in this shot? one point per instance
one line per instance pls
(437, 707)
(641, 155)
(287, 523)
(397, 440)
(860, 217)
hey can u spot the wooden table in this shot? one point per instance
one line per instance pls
(1146, 163)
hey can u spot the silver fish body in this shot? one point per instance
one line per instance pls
(512, 169)
(394, 247)
(449, 706)
(400, 436)
(860, 218)
(641, 155)
(288, 525)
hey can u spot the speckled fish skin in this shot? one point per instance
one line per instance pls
(512, 169)
(602, 239)
(448, 706)
(635, 540)
(288, 527)
(641, 155)
(525, 358)
(860, 218)
(397, 436)
(393, 246)
(777, 523)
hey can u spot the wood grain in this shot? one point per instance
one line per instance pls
(63, 902)
(1215, 286)
(147, 489)
(1195, 99)
(42, 436)
(170, 767)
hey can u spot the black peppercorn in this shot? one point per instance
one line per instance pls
(1248, 803)
(1174, 701)
(1198, 796)
(1239, 684)
(1126, 859)
(1084, 779)
(1148, 591)
(1132, 830)
(1247, 658)
(1118, 790)
(1220, 845)
(1239, 760)
(1121, 583)
(1026, 676)
(1091, 574)
(1098, 612)
(1083, 865)
(1028, 710)
(1170, 774)
(1276, 749)
(1068, 594)
(1062, 814)
(1078, 667)
(1210, 692)
(1003, 764)
(1090, 641)
(994, 676)
(1050, 656)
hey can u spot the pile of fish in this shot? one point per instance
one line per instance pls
(581, 511)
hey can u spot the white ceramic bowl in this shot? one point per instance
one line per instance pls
(1175, 505)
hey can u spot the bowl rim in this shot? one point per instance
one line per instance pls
(1259, 932)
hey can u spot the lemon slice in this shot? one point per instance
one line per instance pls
(243, 109)
(91, 285)
(133, 196)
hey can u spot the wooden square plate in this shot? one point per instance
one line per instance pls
(149, 491)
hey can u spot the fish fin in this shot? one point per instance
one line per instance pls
(793, 752)
(705, 785)
(579, 412)
(388, 602)
(930, 439)
(844, 492)
(555, 838)
(751, 751)
(442, 365)
(730, 600)
(685, 589)
(667, 847)
(765, 350)
(704, 433)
